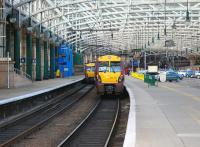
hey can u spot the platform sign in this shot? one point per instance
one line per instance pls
(152, 69)
(34, 60)
(5, 59)
(135, 62)
(65, 69)
(23, 60)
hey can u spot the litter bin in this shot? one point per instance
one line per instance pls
(150, 79)
(163, 77)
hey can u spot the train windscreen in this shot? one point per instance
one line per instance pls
(115, 67)
(92, 68)
(103, 67)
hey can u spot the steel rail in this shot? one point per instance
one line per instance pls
(79, 126)
(113, 126)
(87, 120)
(37, 125)
(38, 108)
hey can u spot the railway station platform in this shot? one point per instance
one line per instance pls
(37, 87)
(163, 116)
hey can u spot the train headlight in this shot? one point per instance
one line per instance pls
(120, 79)
(98, 78)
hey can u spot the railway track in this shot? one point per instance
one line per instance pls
(96, 129)
(18, 129)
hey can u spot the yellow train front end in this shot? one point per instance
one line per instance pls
(109, 75)
(90, 72)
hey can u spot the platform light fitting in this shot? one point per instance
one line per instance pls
(112, 35)
(187, 21)
(41, 35)
(152, 39)
(165, 31)
(174, 25)
(47, 34)
(30, 29)
(158, 36)
(54, 38)
(12, 19)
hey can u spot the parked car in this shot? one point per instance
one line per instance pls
(180, 76)
(197, 74)
(190, 73)
(182, 73)
(172, 76)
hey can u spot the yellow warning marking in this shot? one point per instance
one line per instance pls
(183, 93)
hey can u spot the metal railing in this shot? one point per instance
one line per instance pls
(23, 74)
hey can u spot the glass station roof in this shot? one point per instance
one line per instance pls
(118, 25)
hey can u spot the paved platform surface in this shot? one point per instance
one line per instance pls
(8, 95)
(165, 116)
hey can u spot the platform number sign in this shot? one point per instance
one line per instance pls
(34, 60)
(23, 60)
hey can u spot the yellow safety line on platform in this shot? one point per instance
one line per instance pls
(183, 93)
(138, 76)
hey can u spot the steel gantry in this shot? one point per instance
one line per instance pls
(122, 25)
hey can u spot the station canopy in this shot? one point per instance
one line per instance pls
(118, 25)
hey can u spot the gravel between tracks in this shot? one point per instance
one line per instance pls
(56, 130)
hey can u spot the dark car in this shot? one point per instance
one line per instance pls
(172, 76)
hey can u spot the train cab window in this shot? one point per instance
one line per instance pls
(90, 68)
(103, 67)
(115, 67)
